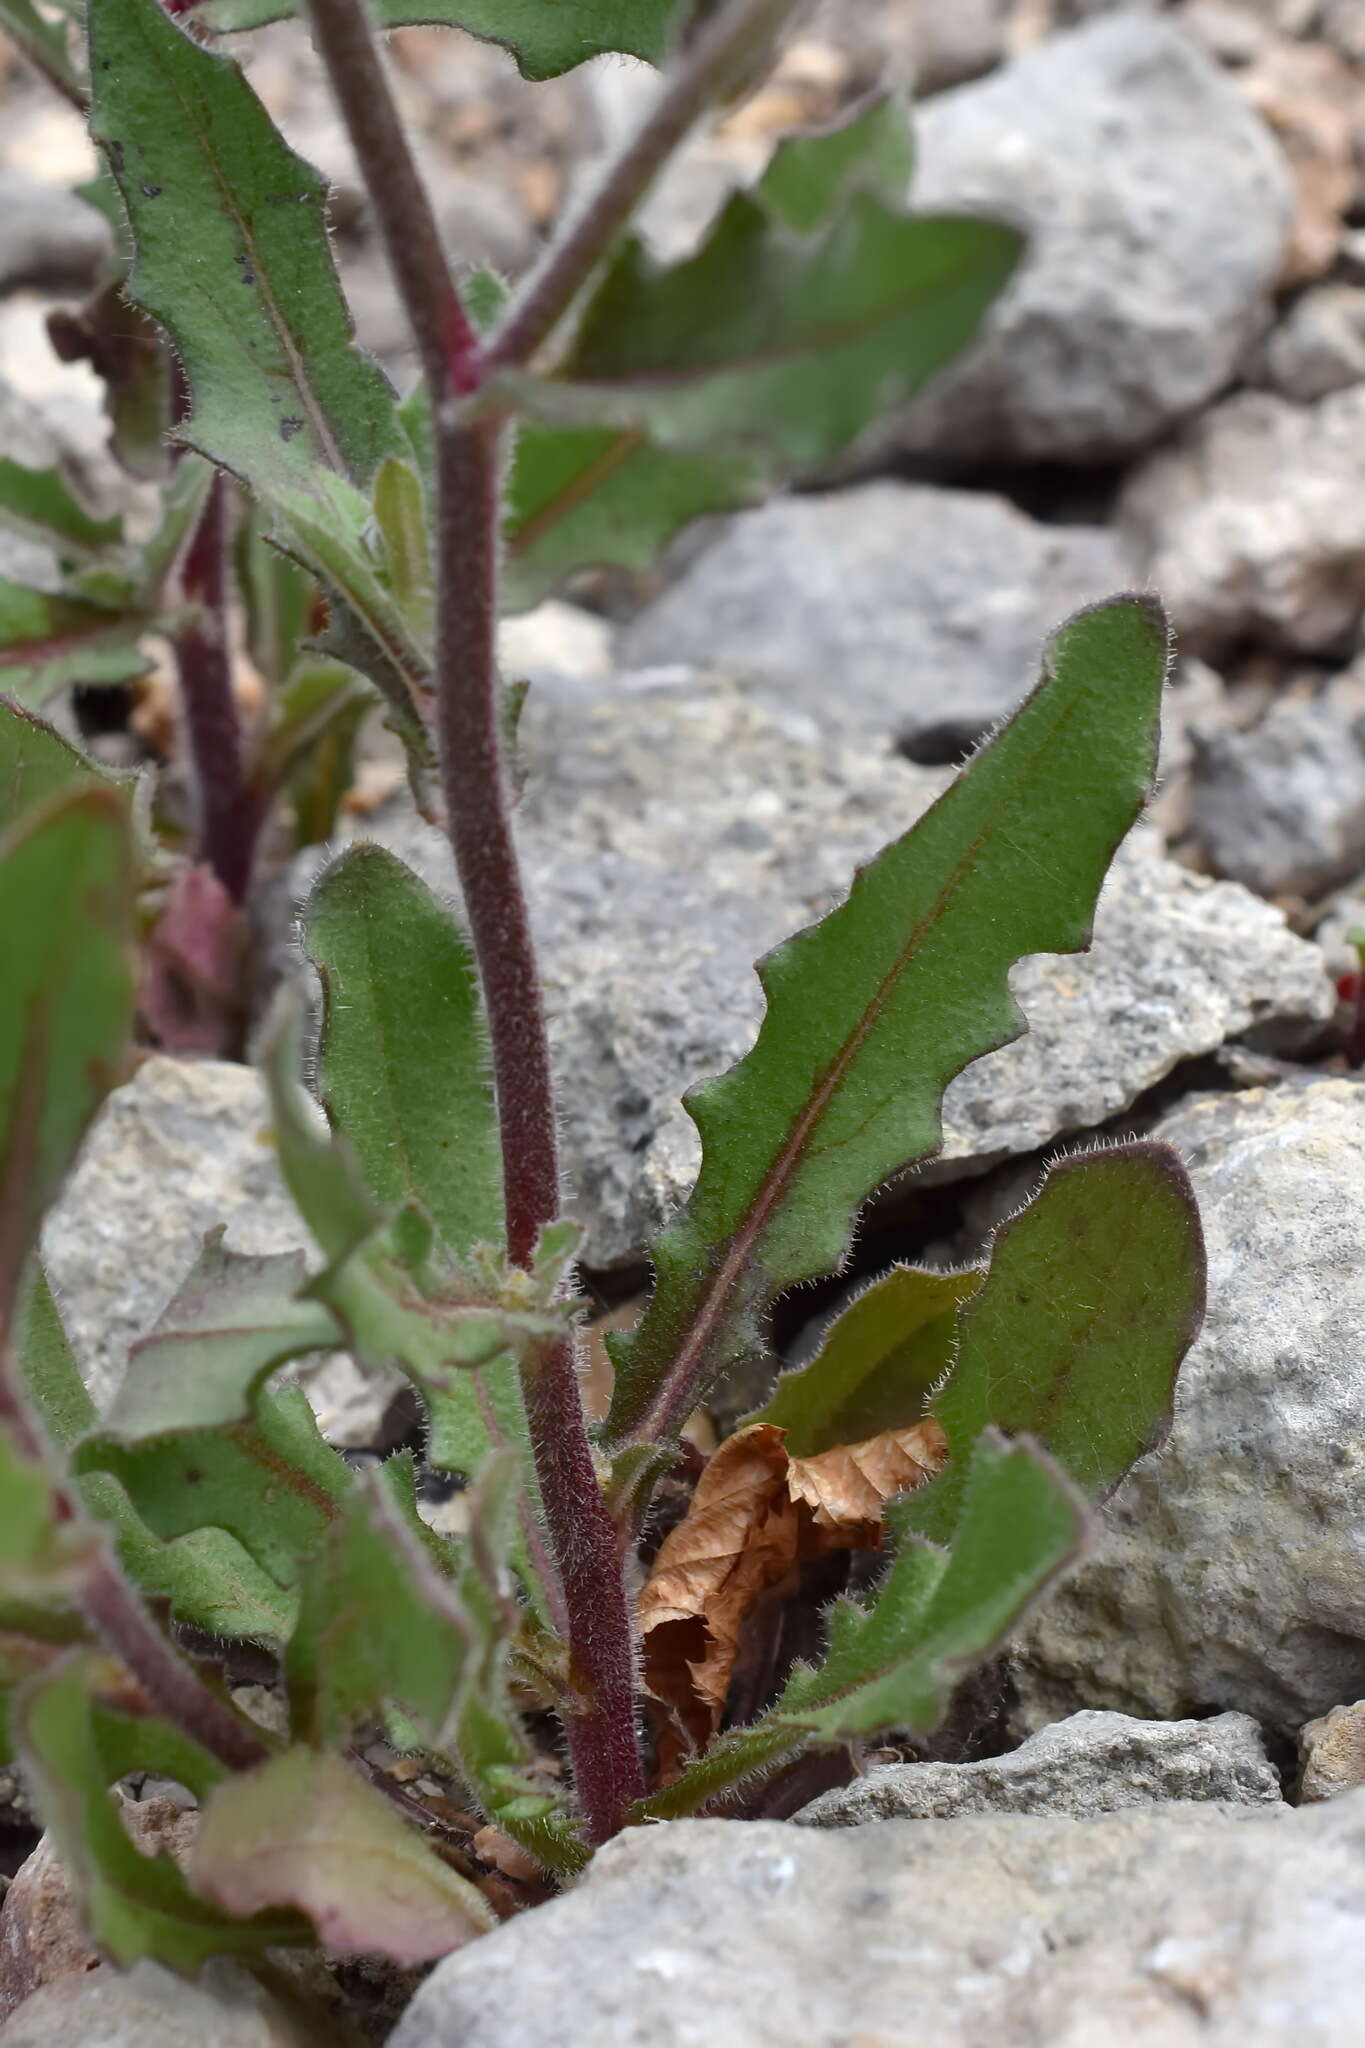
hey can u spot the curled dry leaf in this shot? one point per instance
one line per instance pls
(755, 1515)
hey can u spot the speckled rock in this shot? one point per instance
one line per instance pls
(1252, 523)
(1332, 1754)
(1319, 347)
(181, 1148)
(1282, 807)
(1090, 1763)
(147, 2007)
(1230, 1571)
(673, 834)
(868, 607)
(48, 237)
(1158, 209)
(1175, 1927)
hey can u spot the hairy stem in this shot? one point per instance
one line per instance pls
(720, 59)
(602, 1741)
(230, 808)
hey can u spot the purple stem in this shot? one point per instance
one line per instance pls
(229, 807)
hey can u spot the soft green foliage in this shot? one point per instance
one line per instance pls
(403, 1058)
(547, 36)
(873, 1011)
(894, 1661)
(66, 997)
(877, 1365)
(1094, 1295)
(303, 1832)
(38, 764)
(39, 504)
(232, 257)
(135, 1905)
(48, 640)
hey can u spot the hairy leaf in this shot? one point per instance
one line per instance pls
(893, 1663)
(232, 1322)
(269, 1480)
(48, 640)
(232, 257)
(134, 1905)
(42, 1557)
(877, 1363)
(207, 1576)
(303, 1832)
(1094, 1295)
(598, 497)
(278, 596)
(794, 343)
(37, 764)
(66, 999)
(874, 1010)
(545, 39)
(403, 1062)
(39, 504)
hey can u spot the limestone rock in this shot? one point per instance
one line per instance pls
(1252, 523)
(893, 609)
(1332, 1754)
(1230, 1571)
(147, 2007)
(1158, 208)
(1282, 807)
(1090, 1763)
(1319, 347)
(49, 237)
(1175, 1927)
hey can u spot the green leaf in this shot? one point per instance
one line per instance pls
(268, 1480)
(877, 1364)
(810, 177)
(43, 1558)
(232, 1322)
(233, 258)
(597, 497)
(309, 751)
(303, 1832)
(66, 999)
(894, 1662)
(874, 1010)
(43, 42)
(206, 1575)
(38, 503)
(403, 1061)
(545, 39)
(320, 1170)
(48, 640)
(134, 1905)
(1094, 1295)
(38, 764)
(278, 596)
(794, 343)
(400, 514)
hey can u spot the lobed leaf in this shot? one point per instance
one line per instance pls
(134, 1905)
(66, 999)
(793, 343)
(1094, 1295)
(304, 1833)
(873, 1011)
(545, 40)
(232, 258)
(876, 1365)
(49, 639)
(206, 1576)
(893, 1663)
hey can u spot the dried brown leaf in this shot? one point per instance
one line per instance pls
(756, 1513)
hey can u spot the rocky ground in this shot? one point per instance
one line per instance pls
(1172, 394)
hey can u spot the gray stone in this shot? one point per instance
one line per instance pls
(1332, 1754)
(49, 237)
(893, 608)
(1319, 347)
(1159, 210)
(1282, 807)
(1176, 1927)
(1090, 1763)
(674, 834)
(1230, 1568)
(147, 2007)
(181, 1148)
(1252, 523)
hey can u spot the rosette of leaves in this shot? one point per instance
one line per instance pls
(957, 1424)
